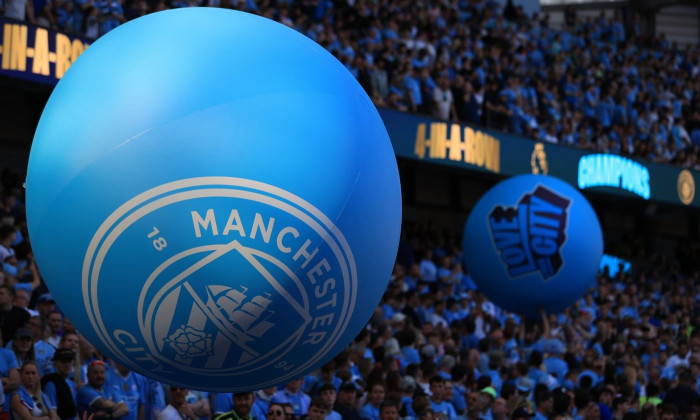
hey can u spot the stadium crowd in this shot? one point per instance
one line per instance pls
(434, 349)
(594, 83)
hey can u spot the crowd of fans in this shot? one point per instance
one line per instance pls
(434, 349)
(594, 83)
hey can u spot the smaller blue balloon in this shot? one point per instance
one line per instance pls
(533, 242)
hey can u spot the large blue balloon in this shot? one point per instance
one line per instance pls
(213, 199)
(531, 242)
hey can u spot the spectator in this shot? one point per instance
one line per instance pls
(78, 374)
(444, 106)
(683, 395)
(275, 412)
(59, 389)
(11, 317)
(45, 304)
(133, 388)
(328, 393)
(544, 403)
(318, 409)
(95, 398)
(242, 406)
(22, 299)
(389, 410)
(293, 394)
(345, 405)
(54, 320)
(20, 10)
(263, 398)
(375, 397)
(437, 403)
(9, 370)
(43, 352)
(23, 346)
(178, 409)
(28, 402)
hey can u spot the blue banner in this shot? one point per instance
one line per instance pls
(479, 149)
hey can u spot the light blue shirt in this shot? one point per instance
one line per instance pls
(88, 396)
(133, 388)
(222, 402)
(444, 407)
(369, 412)
(43, 353)
(299, 401)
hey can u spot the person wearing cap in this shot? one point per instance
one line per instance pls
(437, 403)
(178, 409)
(45, 304)
(488, 396)
(242, 407)
(11, 316)
(524, 386)
(60, 390)
(553, 362)
(96, 398)
(346, 403)
(22, 345)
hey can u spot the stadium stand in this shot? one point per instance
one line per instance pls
(436, 348)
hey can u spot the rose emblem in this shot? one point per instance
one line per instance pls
(189, 342)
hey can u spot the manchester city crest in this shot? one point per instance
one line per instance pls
(237, 277)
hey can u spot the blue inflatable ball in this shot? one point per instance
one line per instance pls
(533, 242)
(213, 200)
